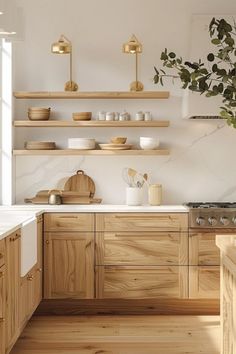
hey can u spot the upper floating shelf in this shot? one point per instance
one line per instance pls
(93, 95)
(91, 123)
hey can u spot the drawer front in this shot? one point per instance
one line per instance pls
(141, 282)
(2, 253)
(204, 282)
(68, 222)
(142, 222)
(141, 248)
(203, 249)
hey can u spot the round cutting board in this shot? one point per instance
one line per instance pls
(80, 182)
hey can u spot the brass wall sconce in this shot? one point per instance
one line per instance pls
(64, 46)
(134, 47)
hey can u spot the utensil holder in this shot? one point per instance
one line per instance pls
(134, 196)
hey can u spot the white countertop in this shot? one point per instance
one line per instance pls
(12, 217)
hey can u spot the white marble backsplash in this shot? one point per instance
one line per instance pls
(200, 167)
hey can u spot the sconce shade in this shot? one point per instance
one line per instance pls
(61, 47)
(133, 46)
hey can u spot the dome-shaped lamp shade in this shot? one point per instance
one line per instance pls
(133, 46)
(61, 47)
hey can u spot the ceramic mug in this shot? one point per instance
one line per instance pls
(139, 115)
(110, 116)
(101, 115)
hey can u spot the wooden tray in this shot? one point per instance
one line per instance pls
(80, 183)
(40, 145)
(65, 200)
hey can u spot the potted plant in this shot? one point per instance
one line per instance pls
(218, 77)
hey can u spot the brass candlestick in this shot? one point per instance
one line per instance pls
(134, 47)
(64, 46)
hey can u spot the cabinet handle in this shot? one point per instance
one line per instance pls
(17, 236)
(47, 242)
(30, 277)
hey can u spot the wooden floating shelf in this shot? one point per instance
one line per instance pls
(91, 123)
(93, 95)
(70, 152)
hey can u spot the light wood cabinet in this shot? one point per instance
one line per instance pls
(141, 222)
(141, 255)
(69, 265)
(203, 250)
(204, 282)
(2, 308)
(12, 288)
(31, 283)
(130, 282)
(2, 253)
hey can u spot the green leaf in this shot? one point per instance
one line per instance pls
(215, 41)
(210, 57)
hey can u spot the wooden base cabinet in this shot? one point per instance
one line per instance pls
(135, 282)
(2, 309)
(12, 244)
(69, 265)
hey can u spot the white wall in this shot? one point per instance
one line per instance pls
(201, 165)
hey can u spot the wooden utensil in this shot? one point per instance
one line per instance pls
(80, 183)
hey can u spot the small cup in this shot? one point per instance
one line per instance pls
(117, 116)
(139, 115)
(147, 116)
(102, 115)
(110, 116)
(123, 116)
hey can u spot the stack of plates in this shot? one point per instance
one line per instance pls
(82, 116)
(115, 146)
(40, 145)
(38, 113)
(81, 143)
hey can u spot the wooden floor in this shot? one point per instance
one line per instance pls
(120, 335)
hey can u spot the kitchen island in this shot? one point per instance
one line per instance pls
(227, 247)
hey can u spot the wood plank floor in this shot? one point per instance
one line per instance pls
(120, 335)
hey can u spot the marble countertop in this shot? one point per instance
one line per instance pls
(12, 217)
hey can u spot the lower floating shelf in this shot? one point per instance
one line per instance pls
(70, 152)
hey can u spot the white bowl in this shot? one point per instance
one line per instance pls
(149, 143)
(81, 143)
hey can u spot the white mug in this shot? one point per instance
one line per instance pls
(110, 116)
(102, 115)
(139, 115)
(147, 116)
(134, 196)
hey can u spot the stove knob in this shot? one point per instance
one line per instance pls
(201, 221)
(212, 221)
(224, 220)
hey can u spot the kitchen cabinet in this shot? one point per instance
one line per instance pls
(148, 261)
(2, 297)
(12, 244)
(204, 265)
(69, 256)
(31, 283)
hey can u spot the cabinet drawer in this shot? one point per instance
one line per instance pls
(141, 282)
(68, 222)
(2, 253)
(141, 222)
(141, 248)
(203, 249)
(204, 282)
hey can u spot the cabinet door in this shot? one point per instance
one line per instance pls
(204, 282)
(68, 265)
(203, 250)
(141, 248)
(2, 309)
(141, 282)
(12, 288)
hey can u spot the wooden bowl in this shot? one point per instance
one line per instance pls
(118, 140)
(37, 113)
(82, 116)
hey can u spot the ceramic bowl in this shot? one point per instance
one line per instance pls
(147, 143)
(81, 143)
(118, 140)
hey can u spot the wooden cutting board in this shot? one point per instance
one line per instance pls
(65, 200)
(80, 183)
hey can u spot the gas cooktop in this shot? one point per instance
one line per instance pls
(212, 214)
(211, 205)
